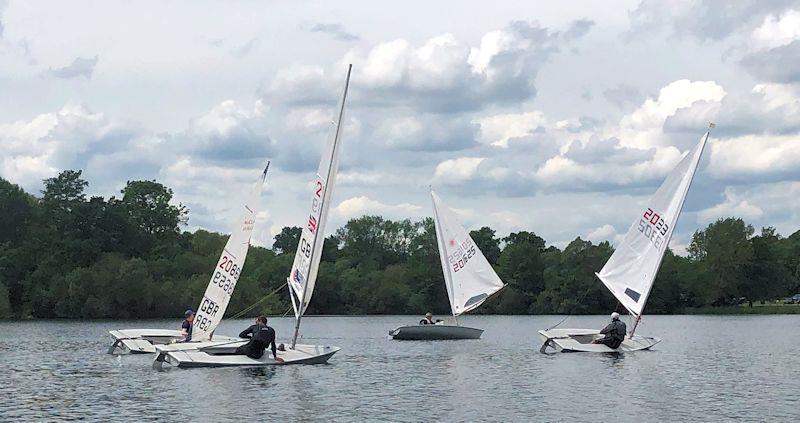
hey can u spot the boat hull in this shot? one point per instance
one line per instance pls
(221, 355)
(580, 340)
(144, 341)
(435, 333)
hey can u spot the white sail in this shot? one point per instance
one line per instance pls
(630, 272)
(469, 277)
(228, 268)
(309, 251)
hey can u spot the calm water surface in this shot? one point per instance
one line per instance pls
(708, 368)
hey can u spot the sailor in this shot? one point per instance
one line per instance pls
(428, 320)
(261, 336)
(614, 333)
(186, 326)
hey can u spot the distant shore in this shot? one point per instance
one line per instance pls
(757, 309)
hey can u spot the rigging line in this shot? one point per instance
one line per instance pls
(252, 306)
(571, 310)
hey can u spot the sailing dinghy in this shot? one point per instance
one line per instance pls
(218, 293)
(301, 279)
(469, 278)
(630, 272)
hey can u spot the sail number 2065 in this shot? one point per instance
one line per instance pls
(654, 227)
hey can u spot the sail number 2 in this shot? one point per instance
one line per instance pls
(654, 227)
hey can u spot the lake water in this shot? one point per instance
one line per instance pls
(707, 368)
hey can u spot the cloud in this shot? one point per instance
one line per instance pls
(228, 132)
(756, 157)
(80, 67)
(733, 206)
(498, 129)
(245, 49)
(69, 138)
(604, 233)
(3, 6)
(644, 126)
(706, 20)
(458, 170)
(359, 206)
(778, 30)
(336, 31)
(442, 75)
(779, 64)
(577, 29)
(622, 95)
(426, 133)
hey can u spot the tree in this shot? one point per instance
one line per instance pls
(725, 252)
(485, 241)
(15, 212)
(149, 208)
(286, 241)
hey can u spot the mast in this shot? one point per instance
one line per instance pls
(300, 308)
(711, 125)
(448, 277)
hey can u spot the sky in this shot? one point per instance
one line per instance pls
(560, 118)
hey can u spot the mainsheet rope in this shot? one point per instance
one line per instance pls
(252, 306)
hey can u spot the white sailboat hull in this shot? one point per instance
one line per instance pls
(222, 355)
(144, 341)
(435, 333)
(580, 340)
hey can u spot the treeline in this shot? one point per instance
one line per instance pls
(65, 255)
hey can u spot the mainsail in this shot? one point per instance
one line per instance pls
(630, 272)
(228, 268)
(309, 251)
(469, 277)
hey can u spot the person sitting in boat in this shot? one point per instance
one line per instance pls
(186, 326)
(428, 320)
(261, 336)
(614, 333)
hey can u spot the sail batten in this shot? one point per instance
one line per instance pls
(631, 271)
(303, 275)
(228, 269)
(469, 277)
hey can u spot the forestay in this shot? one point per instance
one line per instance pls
(309, 251)
(469, 277)
(630, 272)
(228, 268)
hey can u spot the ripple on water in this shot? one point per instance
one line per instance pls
(707, 368)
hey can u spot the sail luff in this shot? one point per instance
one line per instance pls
(303, 275)
(448, 277)
(678, 215)
(228, 269)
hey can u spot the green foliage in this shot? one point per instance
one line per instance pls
(68, 256)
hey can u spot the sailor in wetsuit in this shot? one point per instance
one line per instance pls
(261, 336)
(186, 326)
(428, 320)
(614, 333)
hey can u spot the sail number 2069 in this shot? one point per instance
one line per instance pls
(654, 227)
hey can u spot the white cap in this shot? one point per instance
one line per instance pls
(614, 316)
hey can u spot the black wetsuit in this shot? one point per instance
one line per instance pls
(426, 322)
(615, 333)
(188, 326)
(261, 337)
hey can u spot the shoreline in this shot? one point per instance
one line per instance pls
(698, 311)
